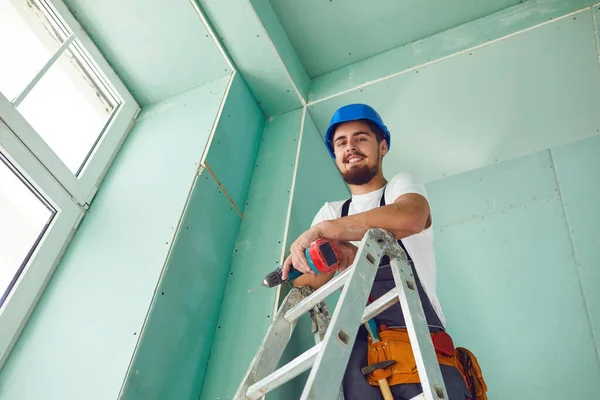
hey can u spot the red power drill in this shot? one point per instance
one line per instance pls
(323, 256)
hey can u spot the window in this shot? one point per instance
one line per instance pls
(25, 218)
(63, 115)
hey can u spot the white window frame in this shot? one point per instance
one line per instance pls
(83, 187)
(21, 299)
(47, 174)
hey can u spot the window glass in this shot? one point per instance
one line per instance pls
(27, 42)
(24, 218)
(69, 108)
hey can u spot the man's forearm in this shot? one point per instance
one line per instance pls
(404, 218)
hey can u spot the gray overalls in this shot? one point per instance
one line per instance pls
(355, 385)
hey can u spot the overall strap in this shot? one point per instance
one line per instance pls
(346, 207)
(381, 204)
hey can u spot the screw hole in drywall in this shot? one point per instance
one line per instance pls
(134, 333)
(268, 316)
(163, 293)
(219, 327)
(231, 273)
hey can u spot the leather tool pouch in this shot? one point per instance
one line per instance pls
(395, 345)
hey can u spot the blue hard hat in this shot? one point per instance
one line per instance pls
(353, 112)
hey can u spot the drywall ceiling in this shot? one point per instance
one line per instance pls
(328, 35)
(159, 48)
(525, 93)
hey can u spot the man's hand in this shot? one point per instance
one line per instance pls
(297, 258)
(348, 254)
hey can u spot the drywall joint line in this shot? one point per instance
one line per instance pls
(596, 24)
(405, 71)
(216, 122)
(302, 100)
(577, 266)
(159, 280)
(209, 169)
(211, 32)
(496, 212)
(290, 204)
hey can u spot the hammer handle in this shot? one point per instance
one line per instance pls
(385, 389)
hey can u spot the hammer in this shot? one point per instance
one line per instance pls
(383, 383)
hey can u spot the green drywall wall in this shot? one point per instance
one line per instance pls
(244, 316)
(233, 149)
(282, 44)
(578, 172)
(522, 94)
(254, 54)
(80, 339)
(476, 33)
(508, 280)
(331, 34)
(171, 358)
(159, 48)
(596, 13)
(317, 181)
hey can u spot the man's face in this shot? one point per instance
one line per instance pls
(357, 152)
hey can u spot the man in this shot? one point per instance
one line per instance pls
(358, 140)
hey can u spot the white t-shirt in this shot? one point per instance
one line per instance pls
(419, 246)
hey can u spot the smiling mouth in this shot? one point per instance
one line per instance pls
(354, 159)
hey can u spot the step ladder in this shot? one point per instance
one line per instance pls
(329, 357)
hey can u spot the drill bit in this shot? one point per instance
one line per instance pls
(253, 289)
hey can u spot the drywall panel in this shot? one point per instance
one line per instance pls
(596, 11)
(171, 358)
(254, 54)
(523, 94)
(509, 288)
(282, 44)
(155, 56)
(317, 181)
(245, 317)
(484, 191)
(478, 32)
(578, 171)
(331, 34)
(234, 146)
(80, 339)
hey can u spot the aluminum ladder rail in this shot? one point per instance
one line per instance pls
(328, 358)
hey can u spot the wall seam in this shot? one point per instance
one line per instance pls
(216, 122)
(290, 205)
(212, 34)
(577, 265)
(503, 210)
(470, 49)
(287, 72)
(596, 25)
(209, 169)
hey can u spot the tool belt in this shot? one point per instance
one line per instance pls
(395, 345)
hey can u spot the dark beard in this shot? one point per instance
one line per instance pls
(360, 176)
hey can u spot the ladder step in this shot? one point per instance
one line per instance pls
(308, 303)
(380, 305)
(284, 374)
